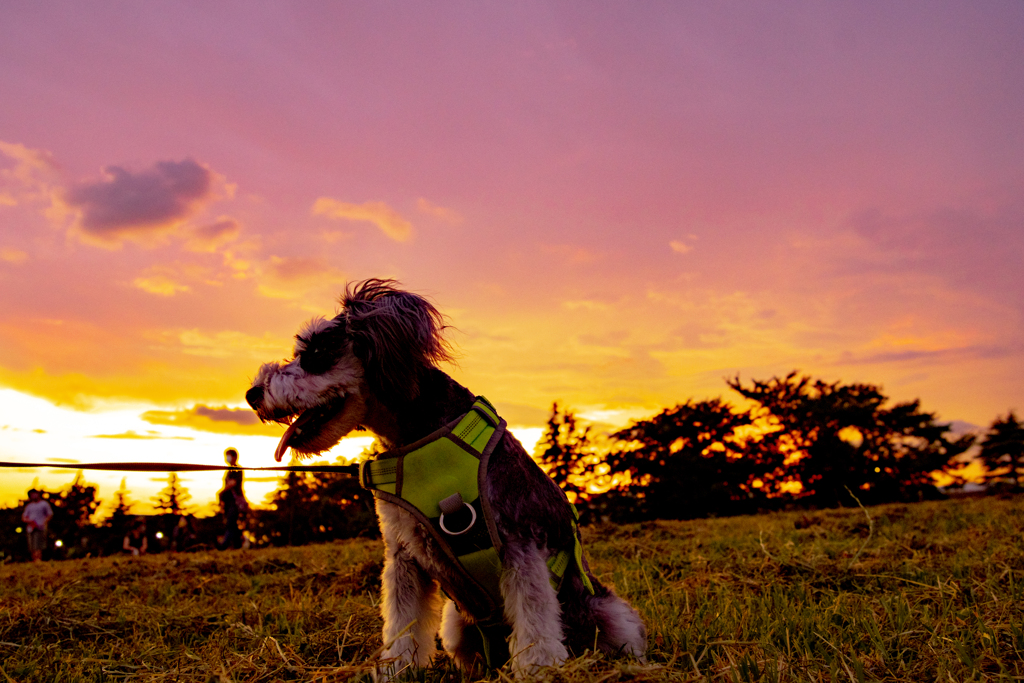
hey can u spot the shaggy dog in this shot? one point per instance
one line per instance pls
(374, 366)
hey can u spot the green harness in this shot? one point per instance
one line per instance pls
(440, 480)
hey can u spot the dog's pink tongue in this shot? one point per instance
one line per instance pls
(282, 445)
(294, 428)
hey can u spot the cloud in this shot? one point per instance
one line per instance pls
(28, 165)
(957, 354)
(210, 238)
(220, 420)
(585, 305)
(131, 434)
(159, 283)
(139, 206)
(225, 344)
(292, 277)
(447, 215)
(571, 254)
(680, 247)
(27, 175)
(14, 256)
(380, 214)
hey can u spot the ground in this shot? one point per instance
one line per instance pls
(923, 592)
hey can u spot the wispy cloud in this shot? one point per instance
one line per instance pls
(210, 238)
(220, 420)
(908, 356)
(159, 281)
(15, 256)
(572, 254)
(26, 174)
(380, 214)
(226, 344)
(445, 214)
(130, 434)
(293, 277)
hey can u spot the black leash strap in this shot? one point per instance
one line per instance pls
(352, 470)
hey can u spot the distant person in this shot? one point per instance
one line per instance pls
(36, 516)
(135, 541)
(233, 504)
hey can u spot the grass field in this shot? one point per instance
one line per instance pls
(922, 592)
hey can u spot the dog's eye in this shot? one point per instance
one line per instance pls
(316, 359)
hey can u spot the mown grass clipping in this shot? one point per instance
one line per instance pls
(922, 592)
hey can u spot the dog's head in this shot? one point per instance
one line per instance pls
(378, 345)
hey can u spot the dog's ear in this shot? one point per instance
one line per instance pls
(396, 335)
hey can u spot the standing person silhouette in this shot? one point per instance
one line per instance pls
(233, 504)
(36, 516)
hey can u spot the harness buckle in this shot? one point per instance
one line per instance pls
(451, 505)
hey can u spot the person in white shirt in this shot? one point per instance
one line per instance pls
(36, 516)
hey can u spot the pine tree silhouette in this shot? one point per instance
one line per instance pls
(1002, 452)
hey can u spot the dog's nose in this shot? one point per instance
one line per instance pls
(254, 397)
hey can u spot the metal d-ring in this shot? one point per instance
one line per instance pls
(472, 521)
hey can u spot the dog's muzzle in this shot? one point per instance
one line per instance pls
(254, 397)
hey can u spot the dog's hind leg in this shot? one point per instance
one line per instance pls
(531, 607)
(620, 628)
(461, 640)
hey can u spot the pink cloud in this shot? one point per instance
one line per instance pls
(294, 277)
(15, 256)
(380, 214)
(444, 213)
(210, 238)
(26, 174)
(139, 206)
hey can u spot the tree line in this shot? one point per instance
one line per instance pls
(305, 508)
(799, 442)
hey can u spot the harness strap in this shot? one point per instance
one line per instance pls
(559, 562)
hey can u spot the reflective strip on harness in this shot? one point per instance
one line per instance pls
(379, 474)
(559, 562)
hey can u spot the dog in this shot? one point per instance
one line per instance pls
(374, 366)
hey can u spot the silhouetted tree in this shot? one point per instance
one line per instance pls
(315, 507)
(12, 534)
(282, 523)
(340, 508)
(174, 498)
(70, 528)
(1002, 452)
(568, 454)
(837, 436)
(117, 524)
(173, 503)
(685, 462)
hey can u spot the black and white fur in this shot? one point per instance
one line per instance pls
(374, 366)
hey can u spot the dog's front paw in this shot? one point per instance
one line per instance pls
(392, 665)
(531, 658)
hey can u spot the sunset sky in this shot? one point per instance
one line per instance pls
(617, 204)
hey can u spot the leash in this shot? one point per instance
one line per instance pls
(351, 470)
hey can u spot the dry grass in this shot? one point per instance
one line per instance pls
(924, 592)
